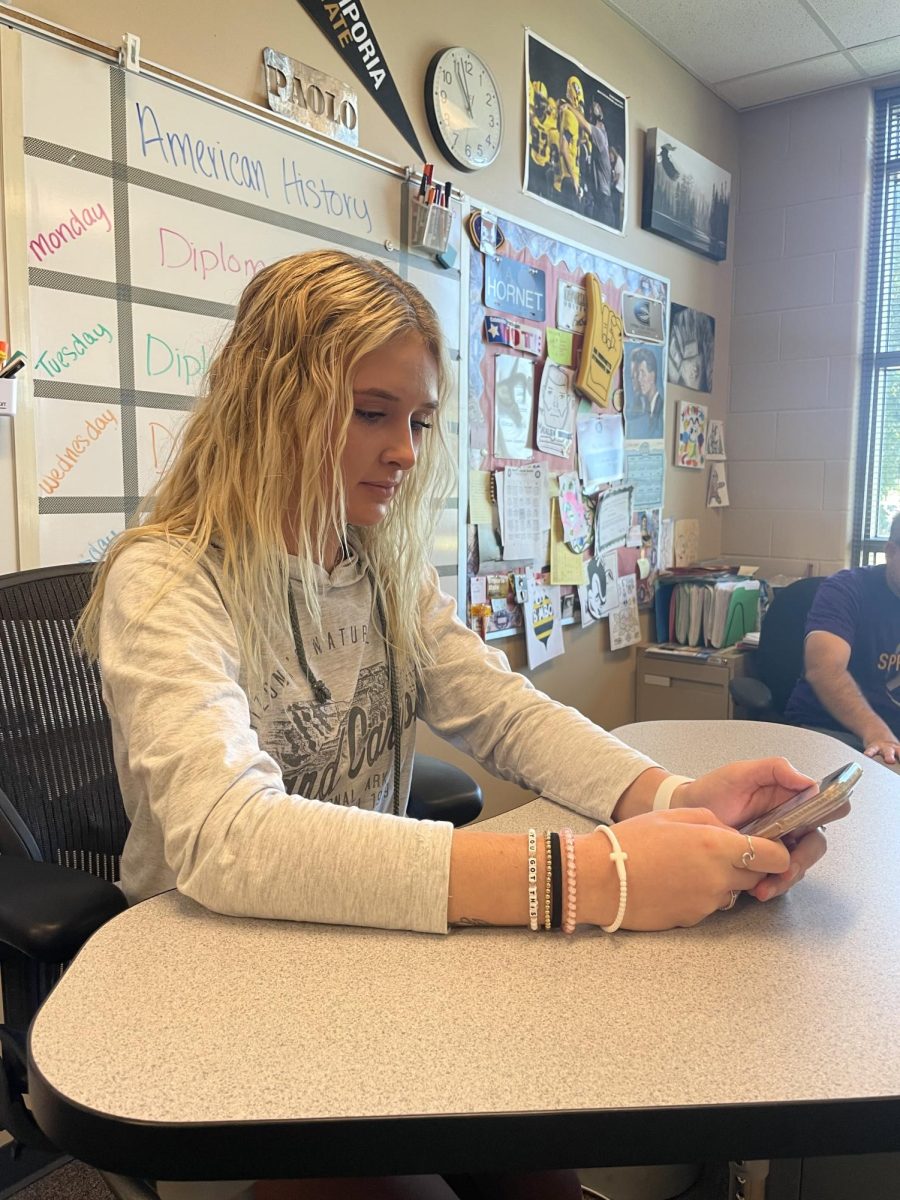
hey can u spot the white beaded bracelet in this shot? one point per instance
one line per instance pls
(570, 905)
(619, 857)
(532, 880)
(666, 789)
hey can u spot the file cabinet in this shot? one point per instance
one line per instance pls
(670, 688)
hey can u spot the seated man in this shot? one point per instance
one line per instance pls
(852, 656)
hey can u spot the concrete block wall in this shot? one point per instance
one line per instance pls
(796, 332)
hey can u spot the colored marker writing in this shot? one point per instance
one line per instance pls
(68, 458)
(163, 359)
(315, 194)
(198, 155)
(71, 230)
(95, 550)
(176, 252)
(67, 356)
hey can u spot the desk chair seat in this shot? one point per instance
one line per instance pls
(62, 821)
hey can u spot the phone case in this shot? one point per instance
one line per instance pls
(807, 808)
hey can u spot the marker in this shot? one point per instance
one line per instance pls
(447, 189)
(4, 352)
(12, 369)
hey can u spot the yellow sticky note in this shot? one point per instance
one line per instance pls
(565, 565)
(559, 346)
(480, 507)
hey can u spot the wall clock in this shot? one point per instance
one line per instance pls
(462, 101)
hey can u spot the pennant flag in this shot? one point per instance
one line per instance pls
(349, 30)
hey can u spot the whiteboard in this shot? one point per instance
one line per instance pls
(148, 207)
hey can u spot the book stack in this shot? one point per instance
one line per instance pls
(706, 612)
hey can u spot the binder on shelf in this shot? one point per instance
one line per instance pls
(706, 612)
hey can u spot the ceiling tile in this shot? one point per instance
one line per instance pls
(721, 39)
(810, 76)
(855, 21)
(878, 58)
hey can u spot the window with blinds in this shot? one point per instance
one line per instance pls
(878, 457)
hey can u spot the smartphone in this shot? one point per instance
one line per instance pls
(809, 807)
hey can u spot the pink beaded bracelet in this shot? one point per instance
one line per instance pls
(570, 891)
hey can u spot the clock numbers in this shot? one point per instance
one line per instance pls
(464, 108)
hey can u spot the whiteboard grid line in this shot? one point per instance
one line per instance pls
(125, 323)
(89, 393)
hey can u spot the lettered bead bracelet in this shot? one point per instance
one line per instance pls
(619, 857)
(532, 880)
(570, 895)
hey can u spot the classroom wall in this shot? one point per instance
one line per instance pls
(220, 42)
(796, 334)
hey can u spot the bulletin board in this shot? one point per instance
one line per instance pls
(555, 264)
(147, 208)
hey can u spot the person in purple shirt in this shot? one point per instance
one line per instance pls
(852, 656)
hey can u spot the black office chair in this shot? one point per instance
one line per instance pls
(62, 822)
(779, 660)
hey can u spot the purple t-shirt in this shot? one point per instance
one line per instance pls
(858, 606)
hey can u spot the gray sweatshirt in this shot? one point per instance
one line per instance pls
(278, 806)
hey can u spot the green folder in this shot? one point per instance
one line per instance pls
(743, 615)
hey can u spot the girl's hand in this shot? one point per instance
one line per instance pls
(682, 865)
(744, 790)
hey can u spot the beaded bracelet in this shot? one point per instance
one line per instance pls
(548, 882)
(570, 893)
(556, 856)
(532, 880)
(619, 857)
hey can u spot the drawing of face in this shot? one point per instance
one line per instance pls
(692, 372)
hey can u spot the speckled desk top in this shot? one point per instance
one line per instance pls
(794, 1000)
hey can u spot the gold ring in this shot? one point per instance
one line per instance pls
(731, 903)
(749, 854)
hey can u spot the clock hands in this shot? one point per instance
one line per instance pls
(461, 76)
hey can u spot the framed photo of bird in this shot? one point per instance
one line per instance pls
(686, 197)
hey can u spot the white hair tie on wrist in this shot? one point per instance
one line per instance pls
(619, 857)
(666, 789)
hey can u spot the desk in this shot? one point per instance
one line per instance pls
(182, 1044)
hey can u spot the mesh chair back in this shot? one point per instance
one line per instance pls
(59, 795)
(779, 659)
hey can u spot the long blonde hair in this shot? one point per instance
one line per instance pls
(266, 438)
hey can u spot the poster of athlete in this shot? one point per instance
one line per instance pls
(576, 150)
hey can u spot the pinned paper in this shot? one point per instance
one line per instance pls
(557, 406)
(481, 508)
(687, 542)
(513, 405)
(613, 519)
(503, 331)
(624, 622)
(602, 591)
(571, 307)
(566, 567)
(543, 628)
(601, 446)
(559, 346)
(575, 522)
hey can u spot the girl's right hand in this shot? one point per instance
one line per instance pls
(682, 865)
